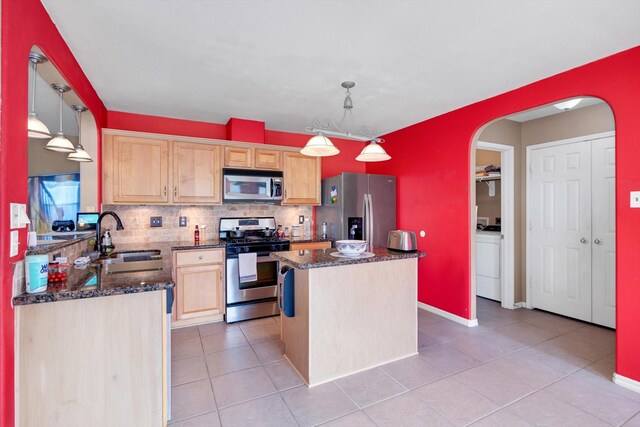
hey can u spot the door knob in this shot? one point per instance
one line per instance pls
(597, 242)
(584, 241)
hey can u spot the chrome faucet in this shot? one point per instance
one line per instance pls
(119, 226)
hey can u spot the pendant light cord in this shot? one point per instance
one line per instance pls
(61, 95)
(34, 65)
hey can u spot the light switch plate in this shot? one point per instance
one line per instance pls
(635, 199)
(15, 243)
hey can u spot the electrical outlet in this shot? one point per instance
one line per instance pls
(300, 219)
(183, 221)
(155, 221)
(635, 199)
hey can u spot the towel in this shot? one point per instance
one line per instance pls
(247, 267)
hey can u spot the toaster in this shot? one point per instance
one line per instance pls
(400, 240)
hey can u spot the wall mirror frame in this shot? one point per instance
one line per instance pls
(46, 164)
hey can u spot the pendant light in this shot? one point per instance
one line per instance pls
(319, 145)
(59, 142)
(373, 153)
(80, 155)
(36, 128)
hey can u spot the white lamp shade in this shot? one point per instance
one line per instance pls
(80, 155)
(60, 143)
(36, 128)
(373, 153)
(567, 105)
(319, 146)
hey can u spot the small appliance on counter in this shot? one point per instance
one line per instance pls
(403, 241)
(63, 225)
(87, 221)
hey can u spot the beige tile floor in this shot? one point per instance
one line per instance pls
(518, 368)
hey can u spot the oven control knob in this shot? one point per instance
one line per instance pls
(245, 249)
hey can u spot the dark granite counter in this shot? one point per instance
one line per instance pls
(55, 245)
(96, 279)
(323, 258)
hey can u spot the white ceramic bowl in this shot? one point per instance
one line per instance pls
(351, 247)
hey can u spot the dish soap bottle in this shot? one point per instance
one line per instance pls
(196, 235)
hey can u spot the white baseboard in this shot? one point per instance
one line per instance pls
(625, 382)
(461, 320)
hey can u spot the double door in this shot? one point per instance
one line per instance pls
(571, 233)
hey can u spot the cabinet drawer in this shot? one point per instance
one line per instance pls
(213, 256)
(309, 246)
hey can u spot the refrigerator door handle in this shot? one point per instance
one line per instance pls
(365, 229)
(371, 219)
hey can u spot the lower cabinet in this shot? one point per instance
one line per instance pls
(199, 278)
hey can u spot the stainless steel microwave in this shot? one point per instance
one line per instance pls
(246, 185)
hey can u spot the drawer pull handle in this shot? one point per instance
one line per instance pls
(200, 257)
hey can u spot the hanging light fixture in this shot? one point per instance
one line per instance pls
(59, 142)
(80, 155)
(319, 145)
(36, 128)
(567, 105)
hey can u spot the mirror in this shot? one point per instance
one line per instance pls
(58, 187)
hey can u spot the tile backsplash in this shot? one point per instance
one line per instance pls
(136, 220)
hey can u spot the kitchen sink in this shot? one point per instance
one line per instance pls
(132, 256)
(134, 266)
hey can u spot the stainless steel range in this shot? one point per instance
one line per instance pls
(254, 298)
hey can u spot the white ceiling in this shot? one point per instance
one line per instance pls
(282, 61)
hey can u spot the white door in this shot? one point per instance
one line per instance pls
(603, 225)
(560, 229)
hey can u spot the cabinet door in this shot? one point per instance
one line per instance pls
(238, 157)
(140, 168)
(199, 291)
(196, 173)
(301, 179)
(267, 159)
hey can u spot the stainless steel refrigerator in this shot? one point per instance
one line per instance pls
(358, 206)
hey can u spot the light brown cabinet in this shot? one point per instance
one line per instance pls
(252, 158)
(267, 159)
(196, 173)
(141, 168)
(301, 179)
(160, 171)
(199, 277)
(138, 169)
(299, 246)
(238, 157)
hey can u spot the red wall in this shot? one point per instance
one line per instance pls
(433, 193)
(24, 23)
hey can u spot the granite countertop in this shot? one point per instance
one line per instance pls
(322, 257)
(71, 238)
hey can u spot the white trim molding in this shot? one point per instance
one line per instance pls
(627, 383)
(449, 316)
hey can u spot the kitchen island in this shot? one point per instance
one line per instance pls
(350, 314)
(93, 350)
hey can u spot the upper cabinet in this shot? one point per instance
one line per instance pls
(238, 157)
(252, 158)
(138, 169)
(141, 168)
(149, 170)
(301, 176)
(196, 173)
